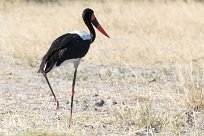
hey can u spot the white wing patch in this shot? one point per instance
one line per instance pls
(84, 35)
(45, 66)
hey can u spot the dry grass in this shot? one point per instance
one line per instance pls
(153, 66)
(143, 32)
(191, 78)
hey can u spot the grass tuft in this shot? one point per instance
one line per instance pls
(139, 118)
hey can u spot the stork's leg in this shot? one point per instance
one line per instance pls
(72, 92)
(57, 108)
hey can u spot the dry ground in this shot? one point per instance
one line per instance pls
(149, 73)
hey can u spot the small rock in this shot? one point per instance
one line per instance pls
(32, 65)
(89, 126)
(126, 128)
(95, 95)
(99, 102)
(85, 107)
(76, 101)
(111, 102)
(123, 103)
(153, 80)
(85, 101)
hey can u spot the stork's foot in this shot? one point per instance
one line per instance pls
(70, 122)
(57, 112)
(57, 105)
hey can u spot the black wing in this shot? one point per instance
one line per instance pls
(65, 47)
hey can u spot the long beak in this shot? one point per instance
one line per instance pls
(95, 22)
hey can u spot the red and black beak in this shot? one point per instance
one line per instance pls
(95, 22)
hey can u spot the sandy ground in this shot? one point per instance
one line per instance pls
(27, 104)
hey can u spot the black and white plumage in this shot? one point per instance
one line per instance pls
(70, 47)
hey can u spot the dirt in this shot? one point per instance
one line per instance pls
(27, 104)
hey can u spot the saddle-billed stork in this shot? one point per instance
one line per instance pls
(70, 47)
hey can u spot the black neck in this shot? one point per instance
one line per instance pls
(91, 29)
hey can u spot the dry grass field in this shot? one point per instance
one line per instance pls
(150, 73)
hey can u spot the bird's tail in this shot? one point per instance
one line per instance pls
(42, 66)
(46, 66)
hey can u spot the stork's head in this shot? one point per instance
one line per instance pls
(88, 15)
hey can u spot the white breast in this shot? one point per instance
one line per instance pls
(83, 34)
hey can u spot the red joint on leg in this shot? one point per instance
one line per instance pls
(72, 92)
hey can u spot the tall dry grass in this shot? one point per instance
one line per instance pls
(141, 32)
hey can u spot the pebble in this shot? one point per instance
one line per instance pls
(95, 95)
(99, 102)
(111, 102)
